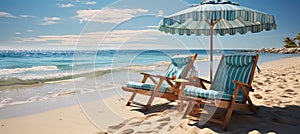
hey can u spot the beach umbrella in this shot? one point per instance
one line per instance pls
(216, 17)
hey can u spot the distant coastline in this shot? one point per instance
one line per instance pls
(276, 50)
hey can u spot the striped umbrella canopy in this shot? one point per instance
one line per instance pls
(217, 17)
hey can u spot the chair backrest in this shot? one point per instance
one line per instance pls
(234, 67)
(180, 66)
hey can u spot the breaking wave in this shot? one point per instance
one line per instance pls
(22, 70)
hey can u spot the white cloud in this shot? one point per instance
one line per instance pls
(7, 15)
(29, 31)
(151, 27)
(114, 39)
(65, 5)
(50, 20)
(91, 3)
(27, 16)
(108, 15)
(18, 33)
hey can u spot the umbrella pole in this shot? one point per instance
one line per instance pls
(211, 52)
(212, 25)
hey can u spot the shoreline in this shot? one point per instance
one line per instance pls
(72, 93)
(275, 93)
(15, 111)
(276, 50)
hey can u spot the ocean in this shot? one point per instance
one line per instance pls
(31, 67)
(28, 76)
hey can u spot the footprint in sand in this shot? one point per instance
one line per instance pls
(151, 115)
(127, 131)
(114, 128)
(297, 87)
(258, 89)
(292, 93)
(136, 123)
(257, 96)
(147, 123)
(267, 80)
(298, 102)
(267, 91)
(285, 96)
(270, 83)
(289, 90)
(100, 133)
(260, 83)
(164, 119)
(161, 125)
(147, 132)
(281, 86)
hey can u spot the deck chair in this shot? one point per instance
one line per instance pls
(230, 87)
(162, 86)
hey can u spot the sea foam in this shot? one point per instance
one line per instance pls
(22, 70)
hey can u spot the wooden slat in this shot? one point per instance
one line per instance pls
(152, 79)
(128, 89)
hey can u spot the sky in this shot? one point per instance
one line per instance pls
(126, 24)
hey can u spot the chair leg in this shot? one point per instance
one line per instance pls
(227, 118)
(181, 104)
(188, 109)
(154, 92)
(131, 99)
(251, 105)
(148, 105)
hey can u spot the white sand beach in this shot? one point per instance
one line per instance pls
(277, 95)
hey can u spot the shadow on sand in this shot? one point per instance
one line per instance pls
(266, 119)
(155, 108)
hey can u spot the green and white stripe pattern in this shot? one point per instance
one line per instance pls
(233, 67)
(179, 65)
(233, 19)
(149, 86)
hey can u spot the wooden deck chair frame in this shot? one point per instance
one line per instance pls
(155, 93)
(230, 105)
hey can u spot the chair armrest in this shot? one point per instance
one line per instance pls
(201, 79)
(181, 80)
(143, 73)
(243, 84)
(185, 82)
(153, 75)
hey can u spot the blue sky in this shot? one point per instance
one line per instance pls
(125, 24)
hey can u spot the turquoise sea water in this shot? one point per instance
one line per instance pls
(28, 76)
(27, 66)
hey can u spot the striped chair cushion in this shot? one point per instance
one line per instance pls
(238, 60)
(149, 86)
(232, 67)
(209, 94)
(179, 66)
(177, 69)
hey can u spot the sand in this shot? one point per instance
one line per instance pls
(276, 94)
